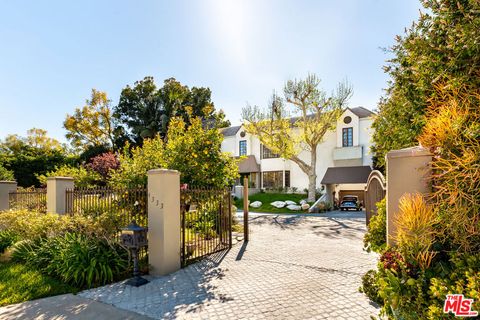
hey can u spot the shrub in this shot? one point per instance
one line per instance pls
(375, 239)
(416, 226)
(83, 177)
(461, 275)
(33, 225)
(453, 135)
(7, 238)
(104, 164)
(6, 175)
(370, 286)
(84, 261)
(77, 259)
(24, 251)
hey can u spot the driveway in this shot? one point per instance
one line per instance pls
(293, 267)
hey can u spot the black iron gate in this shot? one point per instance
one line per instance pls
(206, 222)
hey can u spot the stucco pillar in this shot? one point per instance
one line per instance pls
(407, 172)
(5, 188)
(56, 193)
(163, 221)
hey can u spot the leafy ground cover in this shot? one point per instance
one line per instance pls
(267, 198)
(19, 283)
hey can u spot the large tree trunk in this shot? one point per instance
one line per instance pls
(312, 176)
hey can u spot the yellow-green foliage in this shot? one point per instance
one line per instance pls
(32, 225)
(194, 151)
(453, 135)
(83, 177)
(375, 238)
(135, 163)
(416, 225)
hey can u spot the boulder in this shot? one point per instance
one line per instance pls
(294, 207)
(278, 204)
(290, 202)
(256, 204)
(303, 201)
(305, 206)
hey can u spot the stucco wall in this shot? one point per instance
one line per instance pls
(325, 150)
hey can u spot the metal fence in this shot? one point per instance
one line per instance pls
(121, 206)
(206, 222)
(30, 199)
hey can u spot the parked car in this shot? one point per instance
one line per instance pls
(350, 202)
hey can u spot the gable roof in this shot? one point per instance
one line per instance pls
(230, 131)
(361, 112)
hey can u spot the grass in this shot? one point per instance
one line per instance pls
(267, 198)
(19, 283)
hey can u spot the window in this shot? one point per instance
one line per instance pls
(272, 179)
(347, 119)
(287, 179)
(267, 153)
(243, 147)
(347, 137)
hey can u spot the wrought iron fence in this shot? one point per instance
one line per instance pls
(206, 222)
(30, 199)
(120, 206)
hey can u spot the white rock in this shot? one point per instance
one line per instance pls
(294, 207)
(303, 201)
(305, 206)
(256, 204)
(290, 202)
(278, 204)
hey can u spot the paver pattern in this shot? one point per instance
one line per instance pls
(293, 267)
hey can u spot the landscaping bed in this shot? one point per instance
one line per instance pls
(267, 198)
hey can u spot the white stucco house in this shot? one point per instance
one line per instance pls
(343, 158)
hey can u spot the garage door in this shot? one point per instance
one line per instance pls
(359, 193)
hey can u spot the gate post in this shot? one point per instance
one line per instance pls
(407, 172)
(163, 221)
(57, 193)
(5, 188)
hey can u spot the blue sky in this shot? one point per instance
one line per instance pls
(53, 52)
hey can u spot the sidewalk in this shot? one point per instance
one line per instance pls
(66, 306)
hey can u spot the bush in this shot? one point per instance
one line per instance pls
(83, 177)
(77, 259)
(370, 286)
(83, 261)
(6, 175)
(7, 238)
(375, 239)
(104, 164)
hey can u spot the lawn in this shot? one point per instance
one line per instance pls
(267, 198)
(19, 283)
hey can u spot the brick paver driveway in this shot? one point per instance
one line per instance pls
(294, 267)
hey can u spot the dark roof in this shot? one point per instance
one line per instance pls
(361, 112)
(338, 175)
(230, 131)
(248, 165)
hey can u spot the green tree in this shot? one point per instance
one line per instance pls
(6, 175)
(29, 156)
(316, 113)
(145, 110)
(93, 124)
(439, 50)
(195, 151)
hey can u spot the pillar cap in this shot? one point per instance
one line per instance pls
(60, 178)
(417, 151)
(162, 171)
(8, 182)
